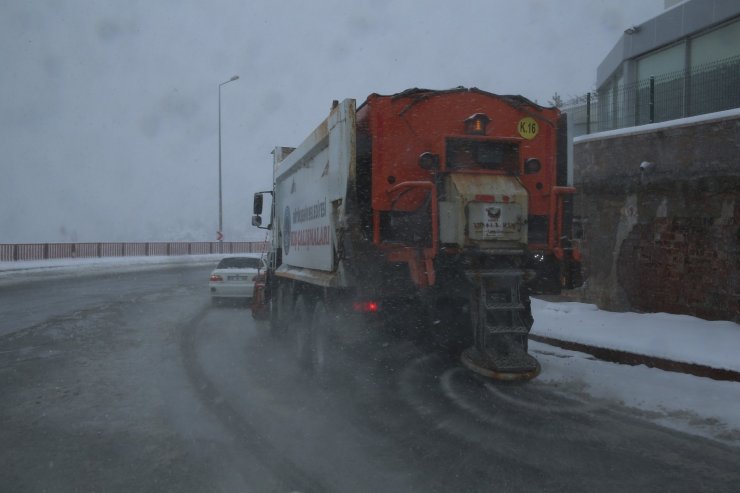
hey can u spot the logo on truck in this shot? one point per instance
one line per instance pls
(307, 236)
(494, 213)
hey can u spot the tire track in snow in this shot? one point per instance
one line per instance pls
(246, 435)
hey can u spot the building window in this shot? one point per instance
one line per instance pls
(715, 70)
(716, 45)
(665, 61)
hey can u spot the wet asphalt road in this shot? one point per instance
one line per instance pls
(134, 382)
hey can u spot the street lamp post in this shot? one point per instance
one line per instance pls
(220, 206)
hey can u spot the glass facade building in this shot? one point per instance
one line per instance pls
(683, 62)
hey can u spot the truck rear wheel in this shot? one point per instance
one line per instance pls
(322, 352)
(451, 328)
(300, 330)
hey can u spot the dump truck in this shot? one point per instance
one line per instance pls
(448, 205)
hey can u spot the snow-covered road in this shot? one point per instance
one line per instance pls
(132, 380)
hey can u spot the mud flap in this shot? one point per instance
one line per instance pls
(260, 308)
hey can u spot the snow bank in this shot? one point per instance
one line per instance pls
(695, 405)
(673, 337)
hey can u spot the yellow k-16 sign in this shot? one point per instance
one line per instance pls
(528, 128)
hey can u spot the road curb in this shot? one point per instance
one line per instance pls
(634, 359)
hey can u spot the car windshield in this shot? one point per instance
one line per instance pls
(239, 263)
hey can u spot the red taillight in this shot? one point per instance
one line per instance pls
(365, 306)
(216, 278)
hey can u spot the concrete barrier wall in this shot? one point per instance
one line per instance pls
(664, 236)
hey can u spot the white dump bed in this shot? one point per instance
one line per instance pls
(311, 186)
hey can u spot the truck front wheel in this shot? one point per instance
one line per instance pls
(281, 308)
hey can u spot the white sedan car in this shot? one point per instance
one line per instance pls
(234, 277)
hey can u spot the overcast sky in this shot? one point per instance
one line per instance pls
(109, 109)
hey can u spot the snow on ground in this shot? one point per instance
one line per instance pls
(663, 335)
(695, 405)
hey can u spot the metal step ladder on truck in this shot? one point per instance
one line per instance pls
(450, 203)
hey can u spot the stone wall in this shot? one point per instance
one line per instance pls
(660, 212)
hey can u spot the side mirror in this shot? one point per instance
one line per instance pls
(257, 220)
(257, 206)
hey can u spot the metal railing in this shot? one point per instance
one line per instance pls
(703, 89)
(39, 251)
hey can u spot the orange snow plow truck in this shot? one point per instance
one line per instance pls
(444, 209)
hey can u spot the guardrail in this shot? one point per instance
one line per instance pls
(39, 251)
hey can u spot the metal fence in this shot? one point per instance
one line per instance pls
(39, 251)
(703, 89)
